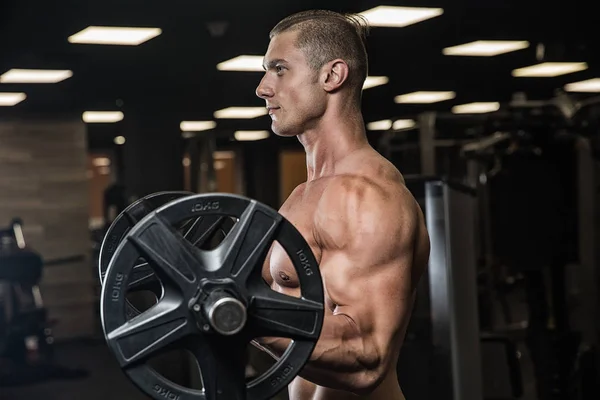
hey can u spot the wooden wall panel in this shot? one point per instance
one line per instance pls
(43, 180)
(292, 172)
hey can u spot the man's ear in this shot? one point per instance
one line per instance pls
(334, 74)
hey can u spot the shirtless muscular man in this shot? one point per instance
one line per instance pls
(363, 225)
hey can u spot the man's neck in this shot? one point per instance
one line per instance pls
(332, 140)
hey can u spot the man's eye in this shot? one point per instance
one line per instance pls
(278, 68)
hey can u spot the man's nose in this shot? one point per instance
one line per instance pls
(264, 90)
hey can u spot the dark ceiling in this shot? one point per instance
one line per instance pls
(174, 76)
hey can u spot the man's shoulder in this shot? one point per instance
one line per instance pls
(367, 218)
(370, 191)
(361, 203)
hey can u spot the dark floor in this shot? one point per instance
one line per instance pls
(104, 381)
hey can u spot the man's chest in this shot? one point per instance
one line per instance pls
(278, 270)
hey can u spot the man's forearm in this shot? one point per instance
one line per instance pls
(339, 360)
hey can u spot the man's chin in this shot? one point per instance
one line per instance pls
(279, 131)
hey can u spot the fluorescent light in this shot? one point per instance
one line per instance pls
(403, 124)
(550, 69)
(101, 162)
(35, 76)
(242, 63)
(373, 81)
(241, 112)
(424, 97)
(11, 99)
(476, 108)
(197, 126)
(399, 17)
(386, 124)
(485, 48)
(92, 117)
(382, 125)
(119, 140)
(125, 36)
(251, 135)
(590, 85)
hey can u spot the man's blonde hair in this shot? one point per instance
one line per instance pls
(326, 35)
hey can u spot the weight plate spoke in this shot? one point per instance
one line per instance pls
(142, 278)
(174, 258)
(202, 229)
(246, 246)
(126, 220)
(278, 315)
(135, 214)
(150, 332)
(221, 364)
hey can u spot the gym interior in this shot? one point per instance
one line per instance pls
(490, 111)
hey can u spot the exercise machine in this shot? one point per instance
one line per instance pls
(26, 340)
(533, 167)
(25, 336)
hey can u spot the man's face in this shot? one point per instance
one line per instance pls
(290, 87)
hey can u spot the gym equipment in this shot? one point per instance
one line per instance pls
(24, 324)
(453, 290)
(214, 302)
(533, 165)
(26, 341)
(446, 354)
(198, 231)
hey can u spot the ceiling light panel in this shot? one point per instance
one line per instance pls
(114, 35)
(476, 108)
(399, 17)
(240, 112)
(424, 97)
(403, 124)
(250, 135)
(485, 48)
(8, 99)
(549, 69)
(17, 75)
(197, 126)
(242, 63)
(589, 86)
(98, 117)
(373, 81)
(382, 125)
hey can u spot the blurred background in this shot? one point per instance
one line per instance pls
(103, 103)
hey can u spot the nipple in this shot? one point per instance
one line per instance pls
(283, 276)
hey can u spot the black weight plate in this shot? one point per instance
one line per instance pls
(126, 220)
(197, 230)
(181, 268)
